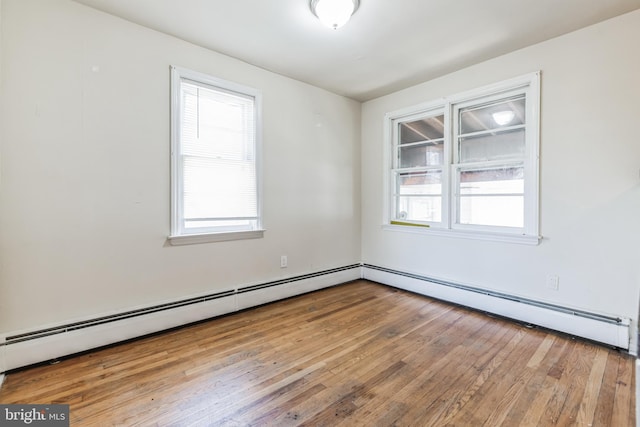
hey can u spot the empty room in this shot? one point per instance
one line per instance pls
(319, 212)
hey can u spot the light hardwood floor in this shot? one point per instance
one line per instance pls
(356, 354)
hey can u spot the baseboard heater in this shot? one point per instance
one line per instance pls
(610, 330)
(30, 347)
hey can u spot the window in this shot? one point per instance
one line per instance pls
(214, 159)
(467, 165)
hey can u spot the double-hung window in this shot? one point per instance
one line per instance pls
(214, 159)
(467, 165)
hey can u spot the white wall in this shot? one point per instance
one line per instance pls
(84, 196)
(590, 183)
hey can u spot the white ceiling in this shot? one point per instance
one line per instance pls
(387, 45)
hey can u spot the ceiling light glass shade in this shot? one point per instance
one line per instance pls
(334, 13)
(503, 117)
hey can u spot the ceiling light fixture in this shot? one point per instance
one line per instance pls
(334, 13)
(503, 117)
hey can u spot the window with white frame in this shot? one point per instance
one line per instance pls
(467, 164)
(214, 159)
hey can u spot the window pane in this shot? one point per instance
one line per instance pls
(422, 130)
(216, 124)
(418, 208)
(498, 146)
(492, 196)
(510, 112)
(504, 211)
(419, 196)
(215, 188)
(420, 183)
(504, 180)
(431, 154)
(228, 225)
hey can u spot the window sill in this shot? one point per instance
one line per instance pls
(193, 239)
(473, 235)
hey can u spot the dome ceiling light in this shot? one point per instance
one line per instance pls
(334, 13)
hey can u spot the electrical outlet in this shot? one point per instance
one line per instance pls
(283, 261)
(553, 282)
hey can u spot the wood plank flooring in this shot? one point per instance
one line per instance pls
(359, 354)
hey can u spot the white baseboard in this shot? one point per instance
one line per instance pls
(23, 349)
(255, 297)
(3, 365)
(586, 325)
(50, 347)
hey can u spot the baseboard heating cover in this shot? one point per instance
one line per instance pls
(608, 330)
(48, 343)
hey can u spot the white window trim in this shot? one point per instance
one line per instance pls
(466, 234)
(448, 228)
(223, 236)
(176, 237)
